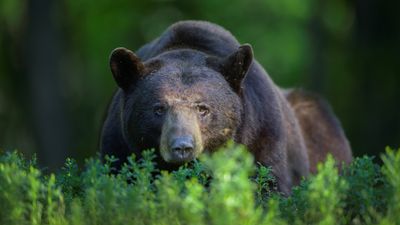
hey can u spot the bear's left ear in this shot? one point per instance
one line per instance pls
(126, 67)
(234, 67)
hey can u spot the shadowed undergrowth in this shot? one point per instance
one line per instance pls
(225, 188)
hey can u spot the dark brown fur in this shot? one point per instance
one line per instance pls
(196, 67)
(320, 128)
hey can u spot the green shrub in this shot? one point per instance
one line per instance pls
(225, 188)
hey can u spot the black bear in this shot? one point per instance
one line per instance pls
(195, 87)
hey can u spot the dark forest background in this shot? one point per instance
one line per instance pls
(55, 82)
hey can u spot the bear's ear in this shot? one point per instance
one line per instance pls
(126, 67)
(235, 66)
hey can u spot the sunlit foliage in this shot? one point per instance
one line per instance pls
(225, 188)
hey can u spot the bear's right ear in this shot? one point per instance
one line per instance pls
(126, 67)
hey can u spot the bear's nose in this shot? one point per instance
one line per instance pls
(182, 144)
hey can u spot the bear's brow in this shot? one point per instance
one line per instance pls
(173, 100)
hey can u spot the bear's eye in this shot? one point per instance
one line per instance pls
(203, 109)
(159, 109)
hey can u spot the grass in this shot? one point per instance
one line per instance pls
(225, 188)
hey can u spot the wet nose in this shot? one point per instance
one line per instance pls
(183, 144)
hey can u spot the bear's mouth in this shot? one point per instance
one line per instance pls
(181, 156)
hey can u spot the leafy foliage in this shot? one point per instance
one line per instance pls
(225, 188)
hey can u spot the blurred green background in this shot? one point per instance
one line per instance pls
(55, 83)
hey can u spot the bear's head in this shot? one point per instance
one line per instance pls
(181, 102)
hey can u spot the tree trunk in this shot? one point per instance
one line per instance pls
(43, 77)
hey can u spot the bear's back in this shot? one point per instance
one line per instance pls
(198, 35)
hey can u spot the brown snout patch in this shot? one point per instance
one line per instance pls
(180, 122)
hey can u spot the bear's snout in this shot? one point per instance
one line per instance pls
(184, 143)
(182, 149)
(180, 139)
